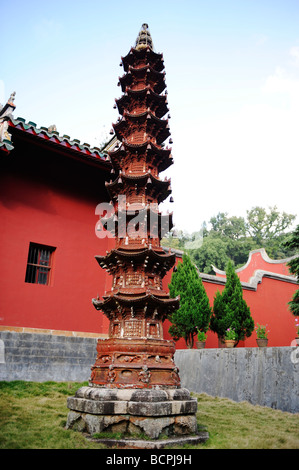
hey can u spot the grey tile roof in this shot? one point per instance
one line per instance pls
(84, 151)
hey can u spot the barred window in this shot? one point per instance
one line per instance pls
(39, 264)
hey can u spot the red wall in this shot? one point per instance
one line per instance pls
(50, 199)
(268, 306)
(259, 260)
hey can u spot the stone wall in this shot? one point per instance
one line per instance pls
(46, 357)
(261, 376)
(264, 376)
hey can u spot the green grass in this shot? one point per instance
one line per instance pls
(33, 416)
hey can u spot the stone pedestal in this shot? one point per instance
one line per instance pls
(148, 417)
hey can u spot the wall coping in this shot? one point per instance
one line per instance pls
(253, 281)
(44, 331)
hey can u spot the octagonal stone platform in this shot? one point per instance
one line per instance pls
(151, 413)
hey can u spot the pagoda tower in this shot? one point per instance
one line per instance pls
(136, 355)
(134, 382)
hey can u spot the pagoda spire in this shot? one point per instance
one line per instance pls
(144, 38)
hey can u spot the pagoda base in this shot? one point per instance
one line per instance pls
(128, 443)
(142, 363)
(136, 415)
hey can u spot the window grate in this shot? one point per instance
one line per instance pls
(39, 264)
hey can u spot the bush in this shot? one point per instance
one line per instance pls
(195, 312)
(230, 309)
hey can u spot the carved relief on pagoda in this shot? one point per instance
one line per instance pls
(127, 242)
(133, 328)
(118, 281)
(153, 330)
(136, 167)
(134, 279)
(153, 281)
(129, 358)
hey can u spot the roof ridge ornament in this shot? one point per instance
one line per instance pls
(5, 116)
(144, 38)
(12, 99)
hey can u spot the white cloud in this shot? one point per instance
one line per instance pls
(283, 82)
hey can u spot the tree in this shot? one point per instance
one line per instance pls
(232, 238)
(218, 323)
(213, 251)
(231, 227)
(195, 311)
(230, 309)
(293, 243)
(266, 226)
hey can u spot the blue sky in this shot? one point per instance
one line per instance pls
(232, 75)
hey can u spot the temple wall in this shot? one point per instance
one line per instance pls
(39, 204)
(263, 376)
(46, 357)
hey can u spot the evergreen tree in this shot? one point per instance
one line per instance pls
(195, 311)
(293, 243)
(218, 322)
(230, 309)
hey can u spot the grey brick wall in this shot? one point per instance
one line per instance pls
(44, 357)
(261, 376)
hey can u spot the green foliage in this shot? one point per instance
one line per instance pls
(201, 336)
(293, 243)
(195, 311)
(262, 225)
(230, 310)
(230, 334)
(232, 238)
(261, 331)
(294, 304)
(213, 252)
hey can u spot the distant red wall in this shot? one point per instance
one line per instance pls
(258, 259)
(268, 305)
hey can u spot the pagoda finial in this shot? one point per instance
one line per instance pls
(144, 38)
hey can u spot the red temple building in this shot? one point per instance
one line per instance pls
(50, 188)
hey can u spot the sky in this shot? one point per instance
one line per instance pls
(232, 76)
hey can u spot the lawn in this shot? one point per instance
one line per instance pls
(33, 416)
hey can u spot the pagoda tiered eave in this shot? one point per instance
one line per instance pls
(160, 189)
(146, 94)
(138, 54)
(146, 123)
(162, 156)
(152, 77)
(139, 298)
(152, 305)
(146, 257)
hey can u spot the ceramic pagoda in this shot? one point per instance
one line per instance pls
(134, 382)
(136, 355)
